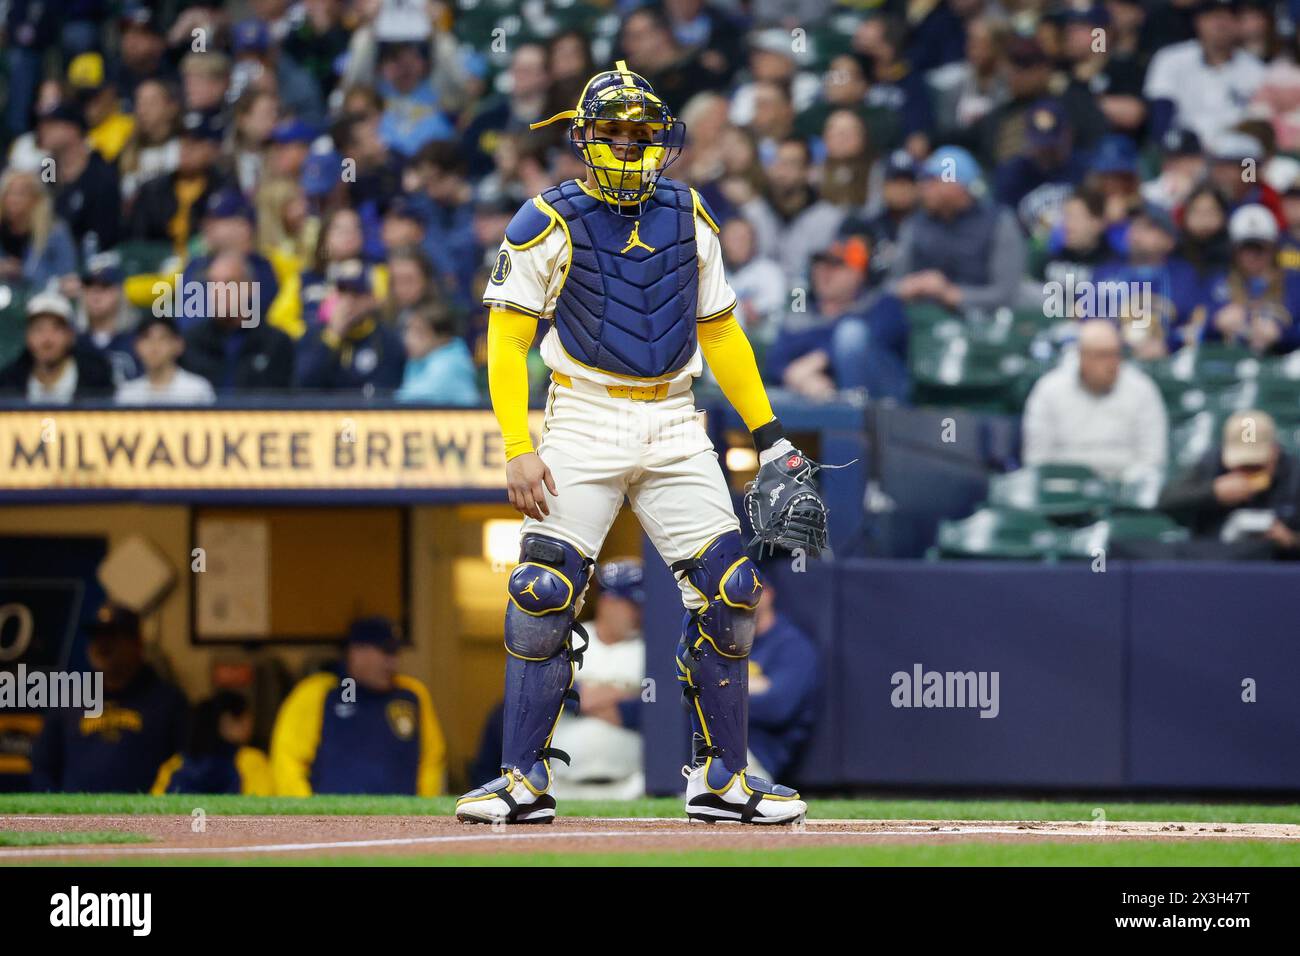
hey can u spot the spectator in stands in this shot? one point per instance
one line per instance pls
(958, 250)
(1203, 242)
(602, 733)
(86, 193)
(413, 115)
(154, 148)
(1173, 287)
(1113, 172)
(143, 52)
(967, 91)
(1235, 163)
(1182, 167)
(1079, 245)
(231, 350)
(527, 101)
(52, 370)
(1241, 500)
(217, 757)
(784, 677)
(759, 284)
(159, 345)
(795, 221)
(316, 41)
(895, 85)
(1288, 256)
(229, 224)
(845, 341)
(169, 207)
(1103, 93)
(439, 369)
(254, 124)
(848, 159)
(899, 198)
(445, 205)
(1095, 409)
(352, 348)
(363, 728)
(1000, 135)
(652, 49)
(1203, 84)
(205, 79)
(143, 719)
(1255, 303)
(108, 128)
(36, 247)
(411, 281)
(1035, 181)
(257, 55)
(106, 319)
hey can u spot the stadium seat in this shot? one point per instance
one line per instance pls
(13, 322)
(999, 533)
(1053, 490)
(1084, 543)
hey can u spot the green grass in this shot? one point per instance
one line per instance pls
(1135, 853)
(52, 838)
(71, 803)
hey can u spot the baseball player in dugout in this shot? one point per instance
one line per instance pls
(626, 269)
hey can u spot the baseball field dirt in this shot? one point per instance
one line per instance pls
(407, 839)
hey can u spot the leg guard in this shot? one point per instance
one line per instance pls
(712, 658)
(544, 591)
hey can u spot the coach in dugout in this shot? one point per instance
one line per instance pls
(363, 728)
(143, 721)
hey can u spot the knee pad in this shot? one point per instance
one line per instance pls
(544, 589)
(727, 581)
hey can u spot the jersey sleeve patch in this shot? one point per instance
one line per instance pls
(529, 226)
(702, 209)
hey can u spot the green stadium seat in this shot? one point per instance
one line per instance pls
(1053, 490)
(143, 256)
(13, 322)
(1084, 543)
(999, 533)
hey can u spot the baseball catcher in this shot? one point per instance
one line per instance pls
(625, 267)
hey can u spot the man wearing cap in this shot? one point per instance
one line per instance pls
(1241, 499)
(1203, 84)
(256, 51)
(353, 348)
(1236, 160)
(846, 339)
(895, 85)
(1182, 166)
(107, 320)
(87, 195)
(603, 731)
(158, 344)
(142, 723)
(109, 128)
(231, 355)
(360, 728)
(958, 250)
(51, 370)
(1095, 409)
(413, 114)
(170, 207)
(142, 50)
(1104, 92)
(1255, 303)
(1000, 135)
(229, 224)
(1036, 181)
(899, 197)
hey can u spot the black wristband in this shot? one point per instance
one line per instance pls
(765, 436)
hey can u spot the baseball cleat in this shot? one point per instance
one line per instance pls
(740, 799)
(510, 798)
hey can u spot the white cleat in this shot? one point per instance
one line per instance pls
(740, 798)
(510, 798)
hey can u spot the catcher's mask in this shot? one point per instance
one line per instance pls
(625, 135)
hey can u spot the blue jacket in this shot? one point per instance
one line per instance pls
(781, 717)
(446, 376)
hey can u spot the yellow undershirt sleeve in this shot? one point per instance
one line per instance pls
(510, 336)
(729, 354)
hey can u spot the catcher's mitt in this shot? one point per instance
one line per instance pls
(785, 508)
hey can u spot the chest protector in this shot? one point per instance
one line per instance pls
(628, 305)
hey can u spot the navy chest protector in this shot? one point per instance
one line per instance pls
(628, 305)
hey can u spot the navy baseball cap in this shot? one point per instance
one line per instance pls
(321, 173)
(113, 620)
(1160, 217)
(1046, 124)
(1115, 154)
(62, 113)
(350, 276)
(1180, 142)
(900, 164)
(1084, 11)
(624, 578)
(251, 36)
(103, 268)
(150, 320)
(374, 632)
(292, 131)
(198, 124)
(229, 204)
(403, 208)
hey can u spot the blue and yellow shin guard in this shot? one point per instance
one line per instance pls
(545, 588)
(713, 655)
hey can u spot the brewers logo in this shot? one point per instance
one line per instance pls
(401, 717)
(501, 268)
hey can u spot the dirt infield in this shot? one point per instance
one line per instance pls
(249, 837)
